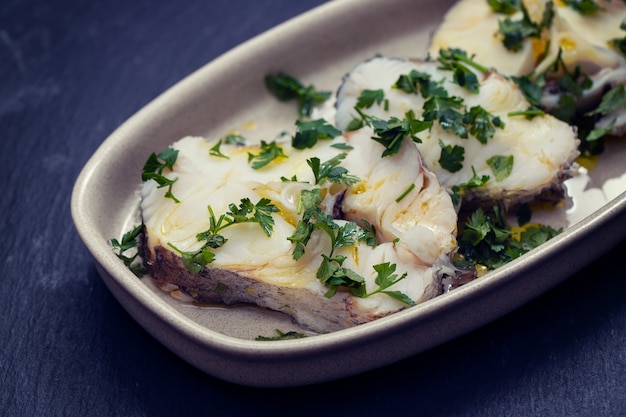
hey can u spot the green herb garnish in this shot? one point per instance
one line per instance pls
(216, 151)
(504, 6)
(515, 32)
(487, 239)
(501, 166)
(309, 132)
(474, 182)
(584, 7)
(482, 124)
(405, 192)
(269, 152)
(281, 336)
(391, 133)
(246, 212)
(285, 88)
(457, 61)
(130, 241)
(331, 170)
(369, 97)
(385, 278)
(451, 157)
(154, 167)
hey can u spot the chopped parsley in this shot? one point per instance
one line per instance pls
(515, 32)
(501, 166)
(369, 97)
(584, 7)
(331, 272)
(154, 167)
(391, 133)
(620, 43)
(451, 157)
(331, 170)
(418, 82)
(405, 192)
(474, 182)
(449, 112)
(129, 241)
(482, 124)
(487, 239)
(504, 6)
(457, 61)
(281, 336)
(613, 100)
(246, 212)
(285, 88)
(216, 151)
(309, 132)
(385, 278)
(234, 139)
(269, 152)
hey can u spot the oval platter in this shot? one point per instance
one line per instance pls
(228, 94)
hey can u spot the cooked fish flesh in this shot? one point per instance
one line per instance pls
(473, 26)
(415, 233)
(541, 150)
(580, 40)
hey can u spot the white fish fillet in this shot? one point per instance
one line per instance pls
(543, 148)
(583, 40)
(417, 233)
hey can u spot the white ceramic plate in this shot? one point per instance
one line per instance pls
(318, 47)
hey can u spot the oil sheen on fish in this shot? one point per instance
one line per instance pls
(412, 216)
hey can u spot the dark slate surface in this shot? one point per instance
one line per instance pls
(70, 73)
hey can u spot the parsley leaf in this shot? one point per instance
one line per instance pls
(501, 166)
(390, 133)
(310, 132)
(515, 32)
(584, 7)
(331, 171)
(285, 88)
(215, 151)
(355, 124)
(457, 61)
(451, 157)
(281, 336)
(598, 133)
(504, 6)
(445, 109)
(234, 139)
(369, 97)
(308, 206)
(481, 123)
(418, 81)
(269, 152)
(333, 275)
(532, 90)
(614, 99)
(154, 167)
(487, 239)
(367, 233)
(474, 182)
(385, 278)
(129, 241)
